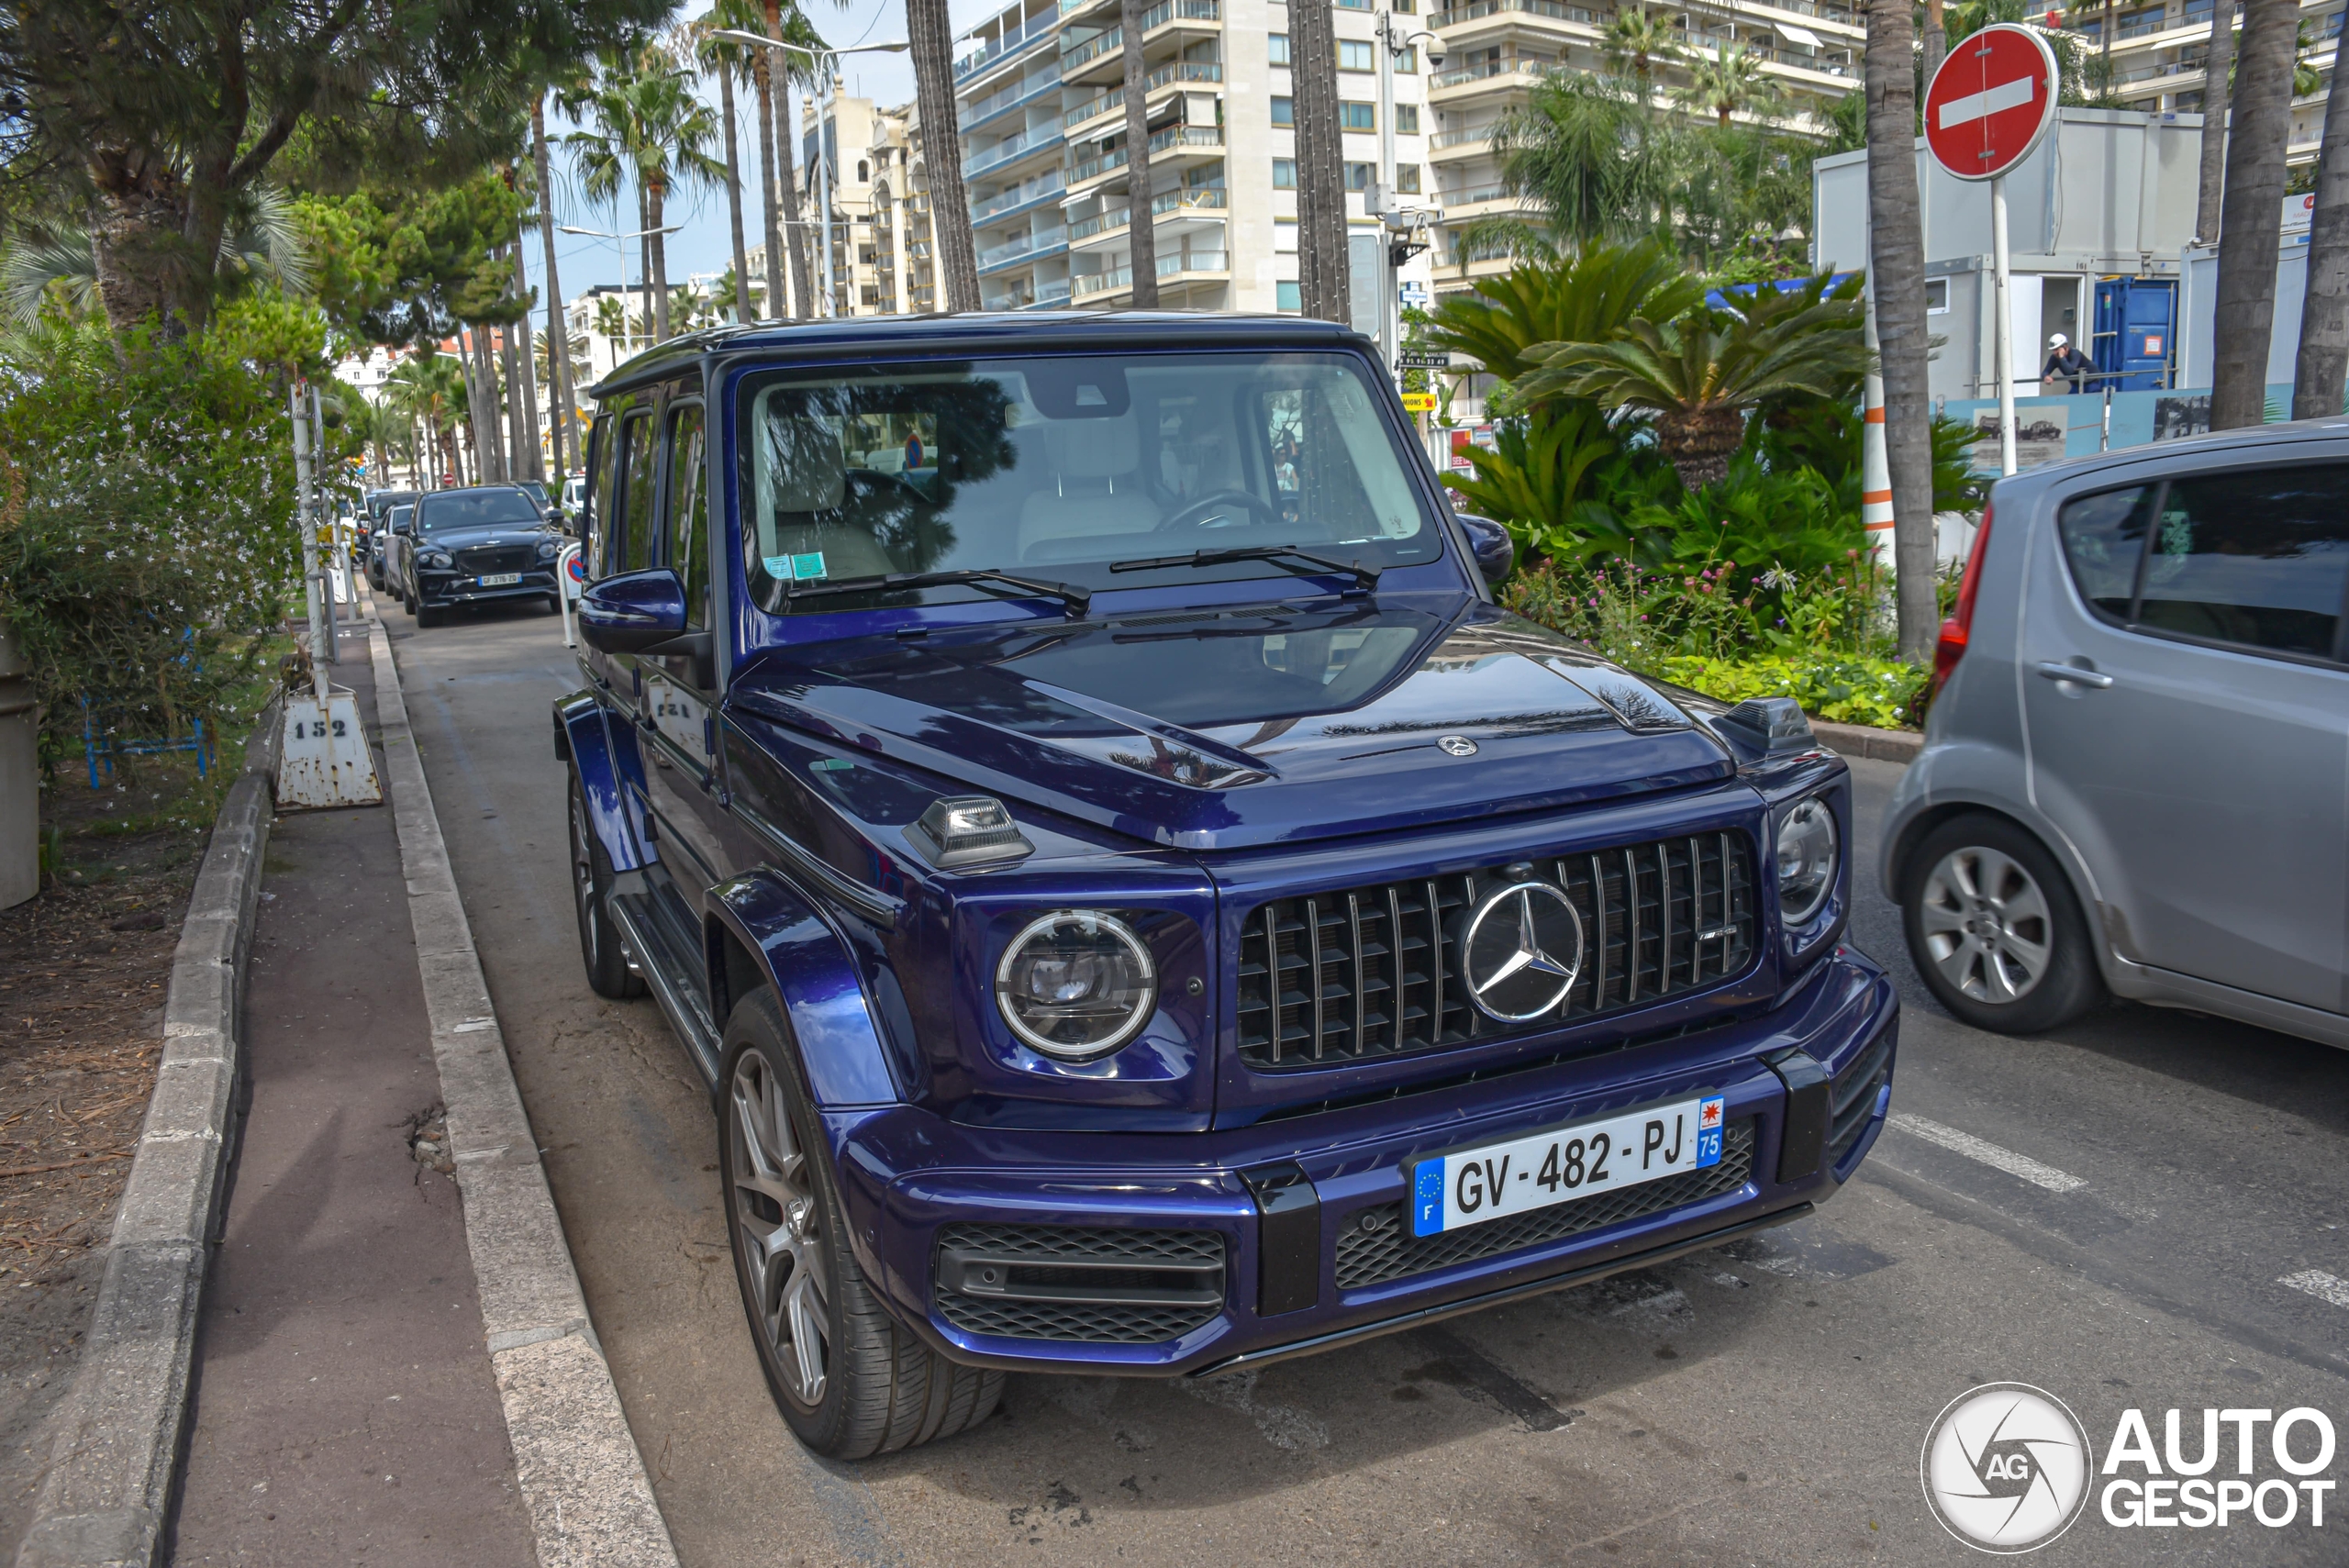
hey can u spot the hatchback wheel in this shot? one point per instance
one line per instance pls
(849, 1380)
(1996, 930)
(591, 882)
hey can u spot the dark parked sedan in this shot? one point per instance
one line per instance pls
(478, 545)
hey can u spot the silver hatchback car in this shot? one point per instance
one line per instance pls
(2135, 777)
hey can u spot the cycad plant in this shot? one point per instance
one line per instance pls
(1700, 372)
(1587, 295)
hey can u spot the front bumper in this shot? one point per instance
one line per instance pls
(462, 588)
(920, 1188)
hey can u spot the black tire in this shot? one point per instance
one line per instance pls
(428, 615)
(878, 1386)
(408, 602)
(1995, 928)
(591, 880)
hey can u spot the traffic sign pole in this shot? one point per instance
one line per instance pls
(2003, 292)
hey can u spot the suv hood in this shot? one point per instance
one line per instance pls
(1270, 724)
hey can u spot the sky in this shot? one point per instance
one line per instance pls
(704, 244)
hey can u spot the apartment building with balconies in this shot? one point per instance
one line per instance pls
(1040, 93)
(2159, 50)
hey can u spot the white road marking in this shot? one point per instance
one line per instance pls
(1990, 1154)
(2322, 1286)
(1977, 106)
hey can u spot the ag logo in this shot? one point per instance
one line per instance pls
(2006, 1467)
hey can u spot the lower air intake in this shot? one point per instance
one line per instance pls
(1078, 1285)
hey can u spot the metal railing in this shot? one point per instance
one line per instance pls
(1173, 136)
(1026, 245)
(1043, 185)
(1115, 98)
(1012, 148)
(1478, 9)
(1160, 205)
(1444, 138)
(1492, 68)
(1168, 266)
(1075, 57)
(1004, 98)
(1004, 48)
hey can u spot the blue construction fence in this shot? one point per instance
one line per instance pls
(2049, 430)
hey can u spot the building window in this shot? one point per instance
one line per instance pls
(1354, 54)
(1284, 235)
(863, 172)
(1361, 176)
(1357, 116)
(1407, 179)
(1936, 297)
(1277, 46)
(1409, 64)
(1284, 174)
(1288, 296)
(1284, 111)
(1406, 119)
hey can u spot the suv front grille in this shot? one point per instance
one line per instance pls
(1092, 1284)
(485, 559)
(1367, 972)
(1376, 1246)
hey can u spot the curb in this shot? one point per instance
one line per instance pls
(582, 1477)
(107, 1496)
(1860, 741)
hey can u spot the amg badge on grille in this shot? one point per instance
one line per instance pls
(1521, 950)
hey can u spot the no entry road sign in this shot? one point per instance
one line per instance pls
(1991, 102)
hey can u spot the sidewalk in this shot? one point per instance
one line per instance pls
(345, 1407)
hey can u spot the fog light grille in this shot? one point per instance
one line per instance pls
(1094, 1285)
(1376, 1246)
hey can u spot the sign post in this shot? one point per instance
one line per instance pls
(1986, 110)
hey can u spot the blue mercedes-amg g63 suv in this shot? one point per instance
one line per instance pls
(1138, 906)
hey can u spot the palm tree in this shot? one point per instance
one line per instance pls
(803, 64)
(2218, 81)
(1936, 41)
(1727, 80)
(1584, 149)
(931, 33)
(2251, 217)
(559, 388)
(2317, 381)
(1896, 269)
(1324, 270)
(725, 59)
(1700, 373)
(1141, 226)
(261, 245)
(1590, 296)
(576, 360)
(1642, 44)
(651, 130)
(428, 388)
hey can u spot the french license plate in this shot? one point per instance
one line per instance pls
(1470, 1186)
(500, 579)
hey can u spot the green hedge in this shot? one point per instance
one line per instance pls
(1841, 688)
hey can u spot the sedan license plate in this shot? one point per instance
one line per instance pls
(1470, 1186)
(500, 579)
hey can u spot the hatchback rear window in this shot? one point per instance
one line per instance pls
(2261, 559)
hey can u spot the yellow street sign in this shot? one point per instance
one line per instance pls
(1420, 401)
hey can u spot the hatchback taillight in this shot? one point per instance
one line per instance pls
(1954, 630)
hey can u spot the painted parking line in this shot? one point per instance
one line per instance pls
(1990, 1154)
(2322, 1286)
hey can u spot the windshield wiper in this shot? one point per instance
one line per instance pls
(1304, 562)
(1078, 600)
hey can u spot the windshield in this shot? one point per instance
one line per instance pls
(474, 510)
(1060, 467)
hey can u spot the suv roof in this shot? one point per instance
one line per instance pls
(1006, 332)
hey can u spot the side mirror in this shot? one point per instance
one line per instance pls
(1494, 551)
(399, 525)
(632, 612)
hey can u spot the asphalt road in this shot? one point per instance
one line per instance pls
(1763, 1407)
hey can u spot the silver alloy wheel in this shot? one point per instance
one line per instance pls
(583, 879)
(1987, 925)
(778, 1232)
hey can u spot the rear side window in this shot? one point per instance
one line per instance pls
(604, 497)
(2104, 536)
(689, 542)
(2257, 559)
(640, 474)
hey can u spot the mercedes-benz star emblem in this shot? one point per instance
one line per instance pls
(1455, 746)
(1521, 952)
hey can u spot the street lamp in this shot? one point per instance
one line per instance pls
(621, 250)
(829, 57)
(1393, 44)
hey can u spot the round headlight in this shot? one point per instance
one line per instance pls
(1809, 848)
(548, 550)
(436, 559)
(1075, 983)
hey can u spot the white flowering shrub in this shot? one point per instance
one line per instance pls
(147, 538)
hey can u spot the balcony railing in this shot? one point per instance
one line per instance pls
(1004, 98)
(1478, 9)
(1043, 185)
(1012, 148)
(1493, 68)
(1076, 56)
(1173, 135)
(1168, 266)
(1168, 202)
(1180, 71)
(1026, 245)
(1011, 43)
(1444, 138)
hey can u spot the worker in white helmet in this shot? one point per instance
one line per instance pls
(2067, 369)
